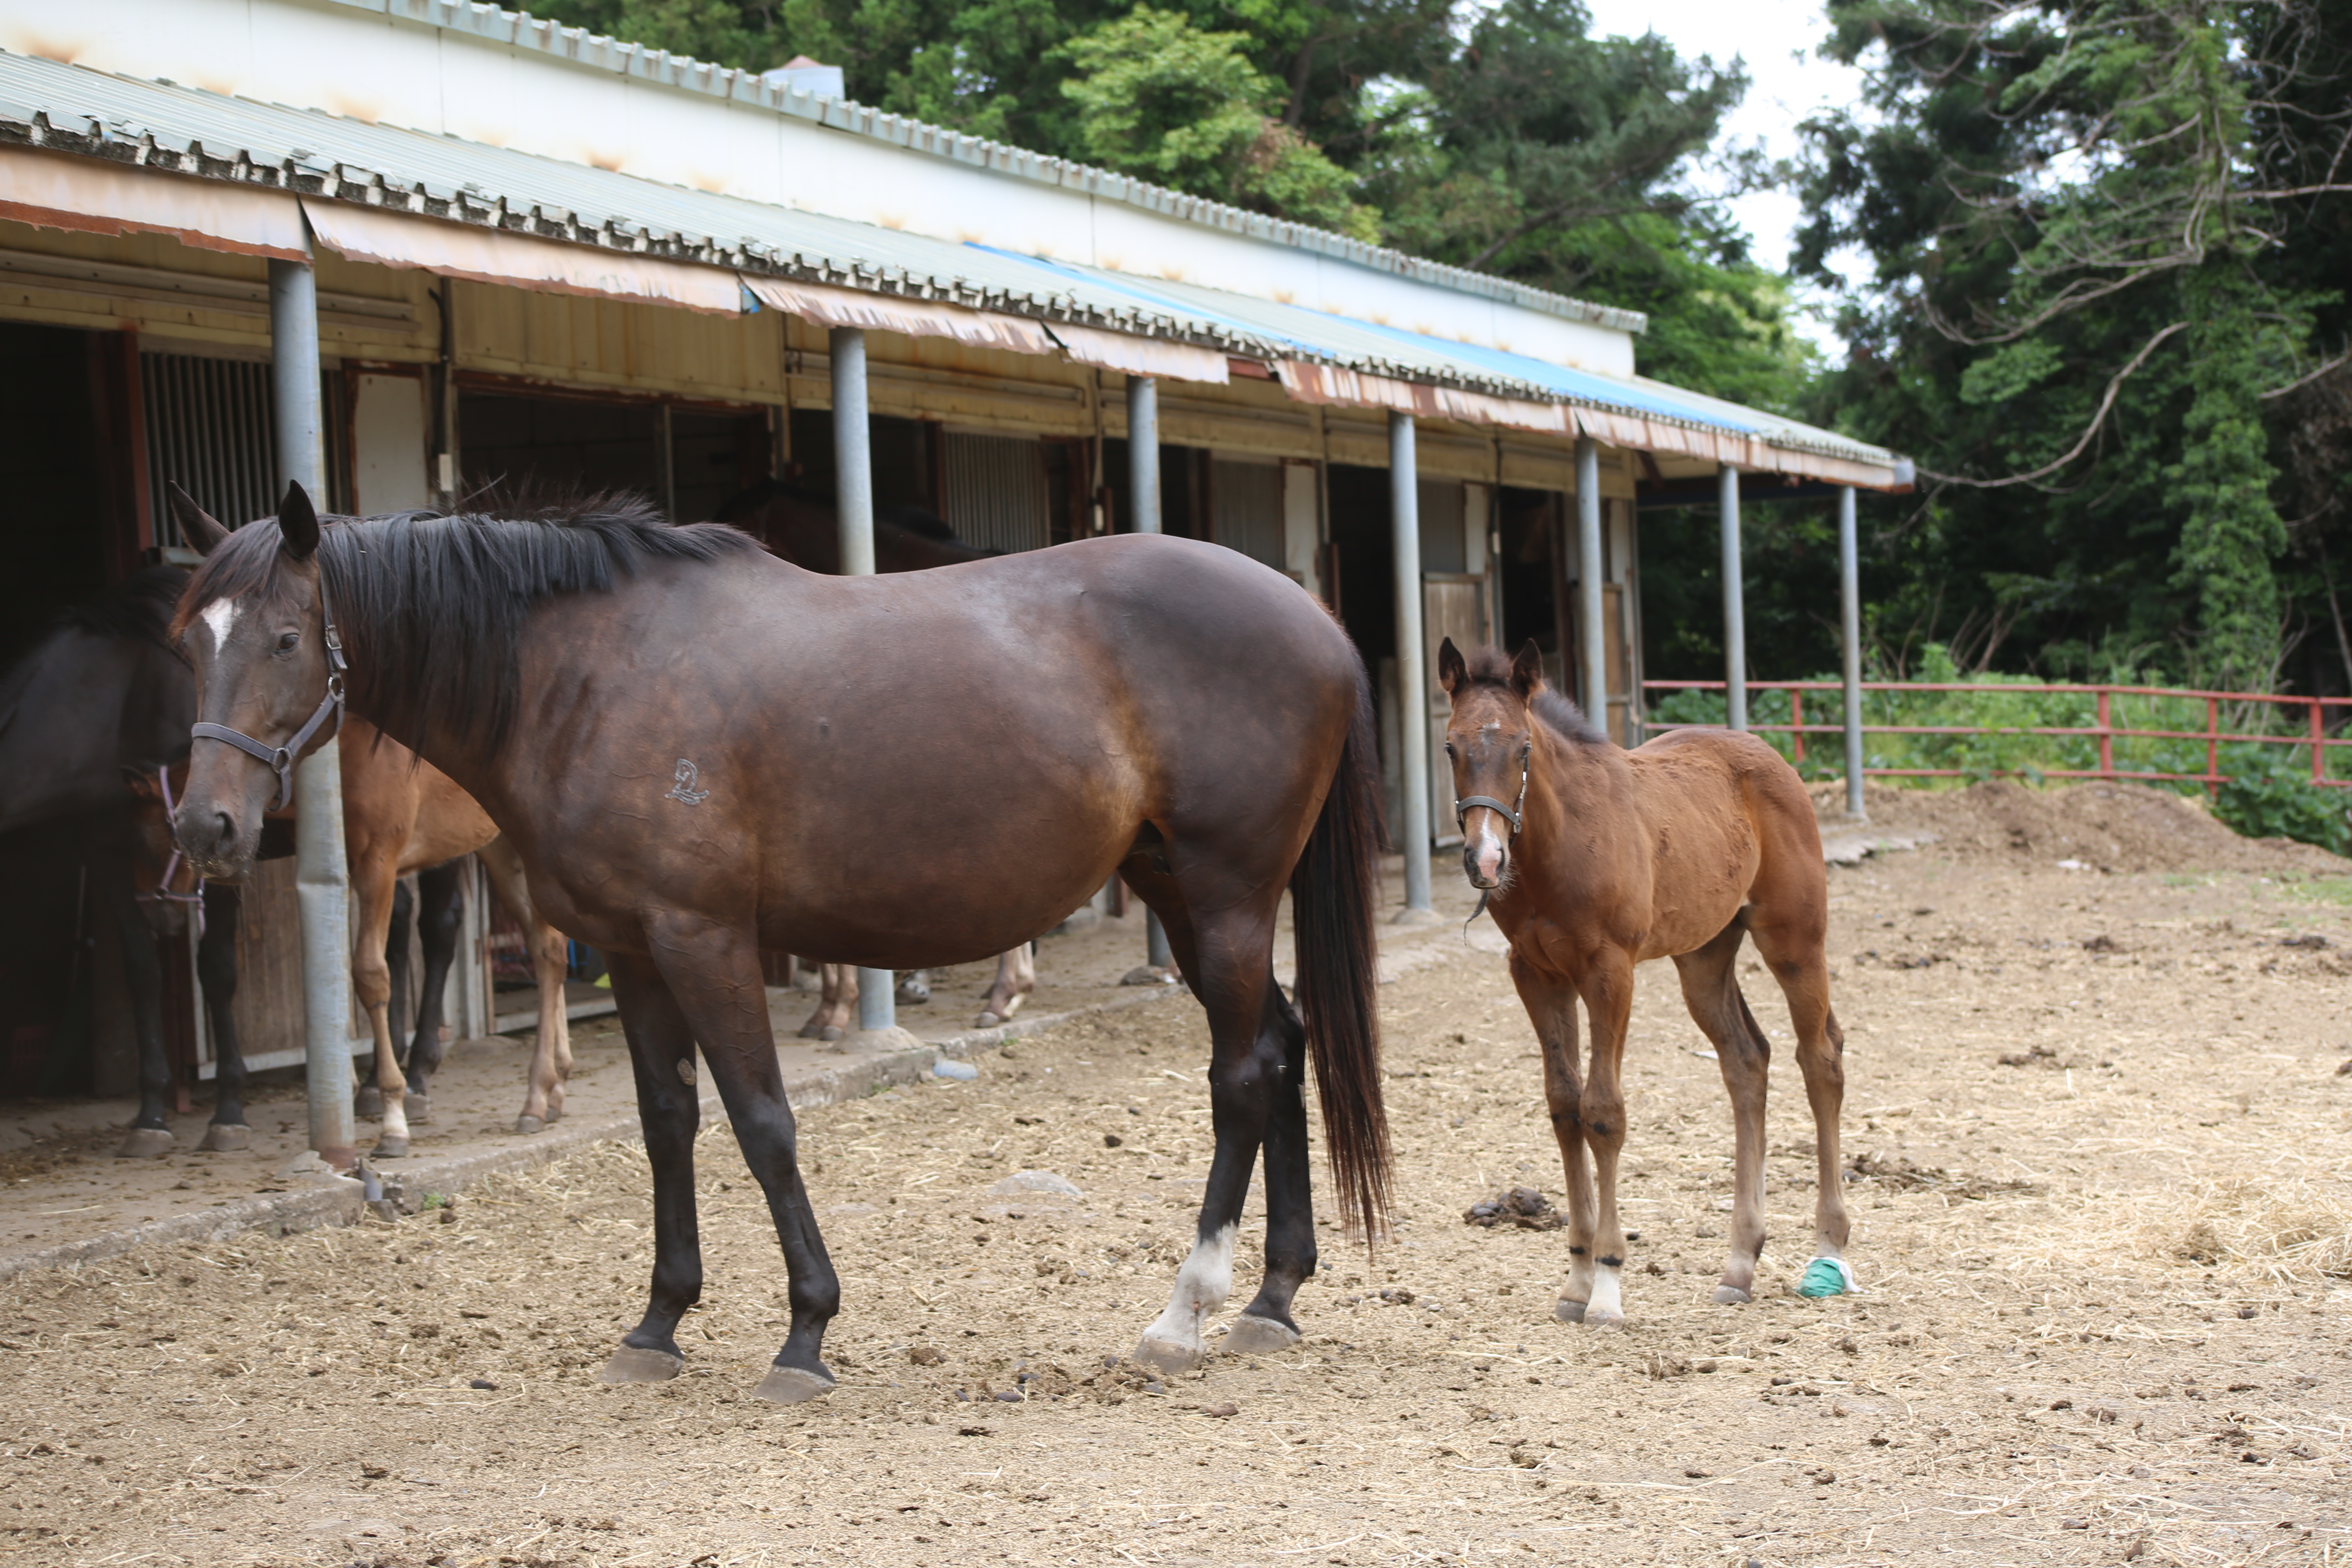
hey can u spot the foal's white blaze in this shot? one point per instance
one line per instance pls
(1486, 846)
(1201, 1286)
(220, 617)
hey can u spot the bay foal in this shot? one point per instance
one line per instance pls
(1676, 850)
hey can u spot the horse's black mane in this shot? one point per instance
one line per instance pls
(1492, 667)
(432, 607)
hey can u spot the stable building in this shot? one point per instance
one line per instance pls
(537, 253)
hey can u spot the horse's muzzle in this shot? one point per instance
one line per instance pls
(1485, 862)
(220, 849)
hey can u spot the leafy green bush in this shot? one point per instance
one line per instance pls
(2281, 804)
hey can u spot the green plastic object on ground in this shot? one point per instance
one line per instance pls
(1828, 1276)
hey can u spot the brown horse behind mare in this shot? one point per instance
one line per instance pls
(1594, 859)
(702, 753)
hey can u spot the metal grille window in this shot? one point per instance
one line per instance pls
(211, 426)
(1245, 500)
(998, 494)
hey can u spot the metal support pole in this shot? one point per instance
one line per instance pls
(853, 467)
(1850, 606)
(1143, 452)
(1735, 614)
(322, 871)
(1412, 660)
(1143, 505)
(1592, 671)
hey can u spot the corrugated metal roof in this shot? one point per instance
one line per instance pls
(580, 46)
(192, 131)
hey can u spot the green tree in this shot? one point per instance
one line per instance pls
(2077, 316)
(1159, 98)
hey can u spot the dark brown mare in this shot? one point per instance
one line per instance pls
(1676, 850)
(700, 752)
(805, 530)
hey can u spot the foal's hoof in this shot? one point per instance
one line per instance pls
(226, 1137)
(791, 1385)
(368, 1103)
(1730, 1296)
(1253, 1335)
(527, 1125)
(986, 1020)
(1604, 1320)
(419, 1105)
(913, 993)
(1568, 1311)
(1167, 1356)
(145, 1143)
(631, 1363)
(390, 1148)
(830, 1032)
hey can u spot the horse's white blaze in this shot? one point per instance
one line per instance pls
(1487, 845)
(220, 617)
(1201, 1286)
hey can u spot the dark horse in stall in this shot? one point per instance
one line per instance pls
(92, 711)
(701, 752)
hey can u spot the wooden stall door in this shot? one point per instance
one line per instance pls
(1452, 606)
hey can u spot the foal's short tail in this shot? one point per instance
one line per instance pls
(1333, 894)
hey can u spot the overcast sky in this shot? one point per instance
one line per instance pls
(1787, 82)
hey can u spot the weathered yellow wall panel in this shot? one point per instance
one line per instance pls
(573, 342)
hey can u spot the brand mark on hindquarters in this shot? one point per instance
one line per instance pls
(683, 792)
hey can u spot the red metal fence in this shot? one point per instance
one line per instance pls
(2309, 727)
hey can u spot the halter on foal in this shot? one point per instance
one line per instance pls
(1614, 857)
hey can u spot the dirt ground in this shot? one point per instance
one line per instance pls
(2102, 1159)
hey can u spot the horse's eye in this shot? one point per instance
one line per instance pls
(1449, 748)
(288, 641)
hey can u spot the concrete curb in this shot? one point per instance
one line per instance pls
(342, 1203)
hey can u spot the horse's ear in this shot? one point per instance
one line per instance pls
(1527, 671)
(1450, 668)
(298, 521)
(196, 525)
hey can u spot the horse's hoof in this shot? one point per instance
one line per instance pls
(791, 1385)
(1568, 1311)
(145, 1143)
(527, 1125)
(830, 1032)
(1167, 1356)
(1605, 1319)
(226, 1137)
(631, 1363)
(1253, 1335)
(987, 1021)
(390, 1148)
(912, 995)
(554, 1113)
(368, 1103)
(419, 1106)
(1731, 1296)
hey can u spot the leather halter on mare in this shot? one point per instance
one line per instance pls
(163, 893)
(280, 760)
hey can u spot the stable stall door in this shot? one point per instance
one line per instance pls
(388, 444)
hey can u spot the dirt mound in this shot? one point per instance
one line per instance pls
(2102, 826)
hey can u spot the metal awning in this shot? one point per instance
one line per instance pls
(204, 163)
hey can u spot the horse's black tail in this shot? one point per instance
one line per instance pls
(1333, 894)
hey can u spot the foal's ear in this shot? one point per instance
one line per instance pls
(298, 521)
(1527, 671)
(1450, 668)
(196, 524)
